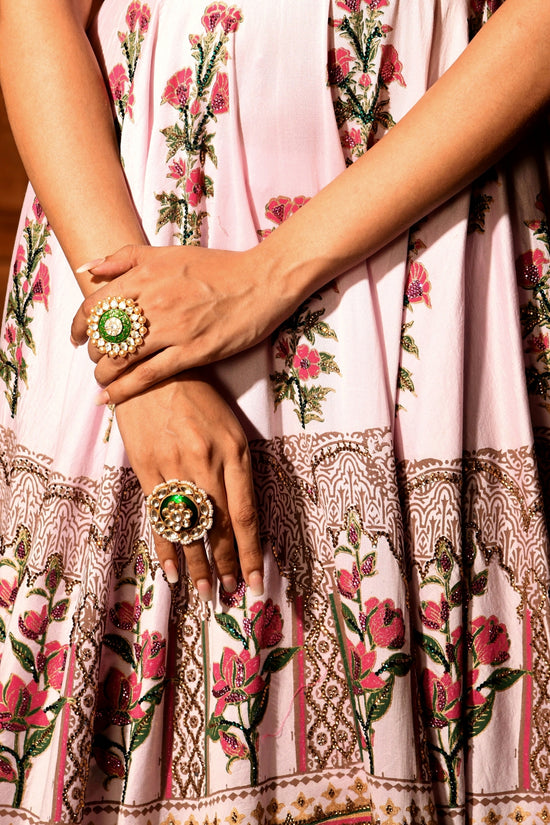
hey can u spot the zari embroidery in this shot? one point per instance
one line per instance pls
(121, 78)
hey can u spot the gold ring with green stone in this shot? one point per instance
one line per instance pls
(117, 326)
(180, 511)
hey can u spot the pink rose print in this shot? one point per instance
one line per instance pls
(117, 81)
(33, 625)
(442, 699)
(111, 765)
(361, 662)
(237, 678)
(7, 773)
(529, 268)
(306, 361)
(55, 655)
(126, 615)
(178, 88)
(195, 186)
(490, 641)
(132, 15)
(338, 65)
(434, 615)
(348, 583)
(38, 213)
(537, 343)
(391, 66)
(8, 591)
(219, 99)
(144, 18)
(267, 623)
(232, 746)
(213, 15)
(385, 623)
(21, 705)
(351, 139)
(153, 655)
(177, 169)
(41, 285)
(281, 208)
(119, 700)
(418, 285)
(231, 20)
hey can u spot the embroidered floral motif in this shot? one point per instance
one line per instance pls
(480, 201)
(242, 677)
(417, 291)
(30, 286)
(533, 273)
(130, 692)
(198, 95)
(361, 102)
(378, 626)
(121, 78)
(452, 718)
(30, 700)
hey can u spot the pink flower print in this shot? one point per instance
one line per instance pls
(351, 139)
(41, 285)
(177, 169)
(348, 583)
(235, 598)
(195, 107)
(267, 623)
(418, 285)
(126, 615)
(364, 80)
(529, 268)
(178, 88)
(21, 705)
(109, 763)
(433, 615)
(490, 640)
(8, 592)
(232, 746)
(130, 102)
(119, 700)
(219, 99)
(32, 624)
(385, 623)
(306, 361)
(474, 697)
(195, 186)
(377, 4)
(231, 19)
(20, 259)
(361, 662)
(56, 659)
(132, 15)
(213, 15)
(391, 66)
(153, 655)
(237, 678)
(10, 334)
(144, 18)
(283, 345)
(280, 208)
(117, 81)
(19, 356)
(441, 699)
(349, 5)
(338, 65)
(537, 343)
(7, 772)
(38, 211)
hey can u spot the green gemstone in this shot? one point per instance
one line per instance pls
(178, 498)
(114, 326)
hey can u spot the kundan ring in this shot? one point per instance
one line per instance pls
(180, 511)
(117, 326)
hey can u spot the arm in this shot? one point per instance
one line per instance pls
(61, 118)
(443, 143)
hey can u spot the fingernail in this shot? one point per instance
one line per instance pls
(171, 571)
(89, 265)
(102, 397)
(73, 342)
(205, 590)
(256, 583)
(229, 583)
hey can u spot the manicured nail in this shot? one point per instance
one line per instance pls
(170, 571)
(256, 583)
(89, 265)
(101, 398)
(229, 583)
(205, 590)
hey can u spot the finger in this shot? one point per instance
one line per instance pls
(133, 378)
(222, 541)
(112, 265)
(244, 520)
(198, 568)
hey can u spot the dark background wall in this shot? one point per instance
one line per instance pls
(12, 188)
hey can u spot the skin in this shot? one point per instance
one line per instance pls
(447, 139)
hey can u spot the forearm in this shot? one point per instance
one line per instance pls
(459, 128)
(62, 122)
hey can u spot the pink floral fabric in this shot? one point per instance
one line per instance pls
(396, 669)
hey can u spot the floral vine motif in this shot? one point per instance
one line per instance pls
(29, 707)
(199, 96)
(241, 681)
(302, 361)
(30, 286)
(417, 291)
(129, 694)
(361, 90)
(452, 718)
(533, 274)
(378, 626)
(138, 16)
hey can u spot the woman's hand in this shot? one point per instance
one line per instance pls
(202, 305)
(182, 429)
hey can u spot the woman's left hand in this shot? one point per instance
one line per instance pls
(201, 305)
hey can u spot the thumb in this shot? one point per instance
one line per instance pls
(119, 262)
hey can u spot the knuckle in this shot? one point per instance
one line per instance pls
(246, 517)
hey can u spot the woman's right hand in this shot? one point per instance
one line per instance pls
(183, 429)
